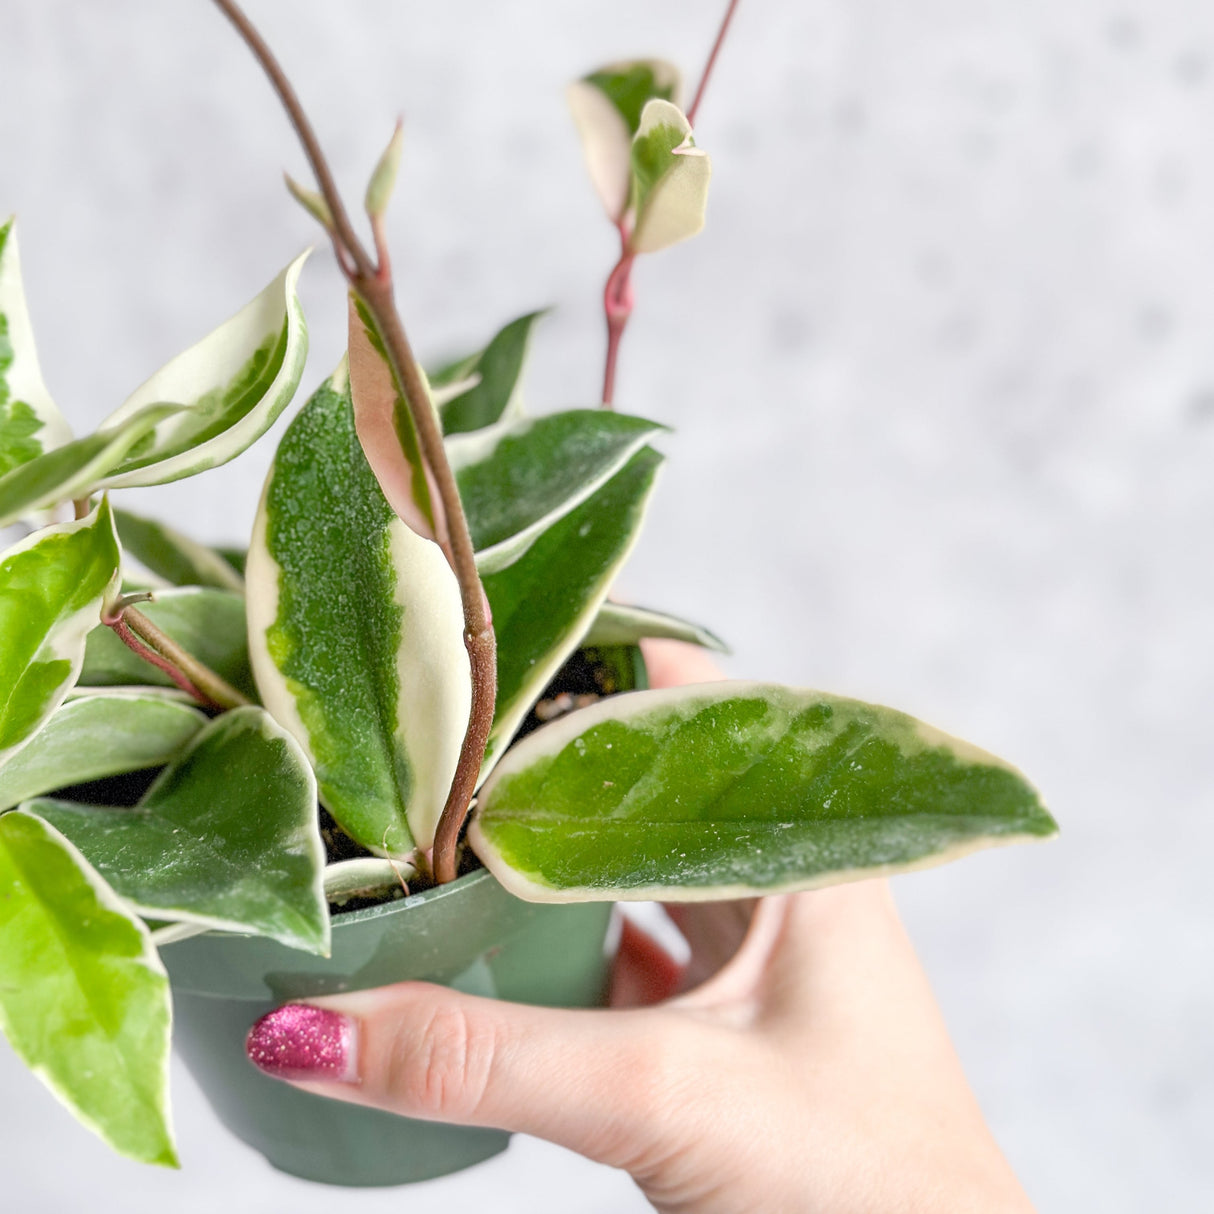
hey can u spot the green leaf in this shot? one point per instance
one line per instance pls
(52, 588)
(84, 1000)
(386, 429)
(516, 479)
(356, 633)
(383, 179)
(607, 107)
(91, 737)
(311, 201)
(208, 623)
(623, 624)
(226, 837)
(669, 180)
(75, 469)
(29, 421)
(173, 556)
(728, 790)
(496, 395)
(544, 602)
(230, 388)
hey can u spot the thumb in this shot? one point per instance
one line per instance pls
(598, 1082)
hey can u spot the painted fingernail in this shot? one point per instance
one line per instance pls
(299, 1041)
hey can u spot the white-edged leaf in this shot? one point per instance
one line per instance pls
(624, 624)
(606, 106)
(52, 588)
(30, 424)
(173, 556)
(386, 430)
(517, 478)
(226, 837)
(733, 790)
(74, 469)
(544, 602)
(93, 736)
(670, 178)
(233, 384)
(356, 633)
(492, 380)
(84, 999)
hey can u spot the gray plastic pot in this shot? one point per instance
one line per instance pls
(470, 935)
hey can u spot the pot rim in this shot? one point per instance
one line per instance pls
(467, 881)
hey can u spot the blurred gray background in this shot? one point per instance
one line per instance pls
(942, 375)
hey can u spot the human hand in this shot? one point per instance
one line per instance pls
(798, 1063)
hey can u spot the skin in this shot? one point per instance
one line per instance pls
(798, 1063)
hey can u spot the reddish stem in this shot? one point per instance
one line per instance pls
(712, 61)
(618, 300)
(122, 630)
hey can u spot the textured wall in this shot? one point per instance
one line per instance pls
(943, 380)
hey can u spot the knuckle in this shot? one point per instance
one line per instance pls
(442, 1068)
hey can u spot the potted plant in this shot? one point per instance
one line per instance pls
(383, 742)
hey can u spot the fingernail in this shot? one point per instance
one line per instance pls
(300, 1041)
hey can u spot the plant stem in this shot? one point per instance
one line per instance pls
(712, 61)
(371, 281)
(152, 644)
(617, 307)
(122, 630)
(618, 298)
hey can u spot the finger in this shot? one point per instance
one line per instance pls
(644, 972)
(674, 663)
(600, 1083)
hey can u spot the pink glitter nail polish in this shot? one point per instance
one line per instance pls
(299, 1041)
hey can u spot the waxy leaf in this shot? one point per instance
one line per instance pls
(52, 588)
(669, 180)
(356, 633)
(226, 837)
(516, 479)
(544, 602)
(728, 790)
(29, 421)
(208, 623)
(75, 469)
(387, 432)
(495, 395)
(175, 557)
(623, 624)
(91, 737)
(607, 107)
(230, 388)
(84, 999)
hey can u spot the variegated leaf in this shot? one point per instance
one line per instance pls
(623, 624)
(52, 588)
(517, 478)
(74, 469)
(226, 837)
(233, 385)
(387, 432)
(30, 424)
(93, 736)
(731, 790)
(356, 633)
(669, 180)
(544, 602)
(175, 557)
(84, 999)
(492, 380)
(607, 107)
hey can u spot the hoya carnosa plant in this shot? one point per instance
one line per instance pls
(190, 738)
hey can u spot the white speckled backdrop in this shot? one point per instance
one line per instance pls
(942, 371)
